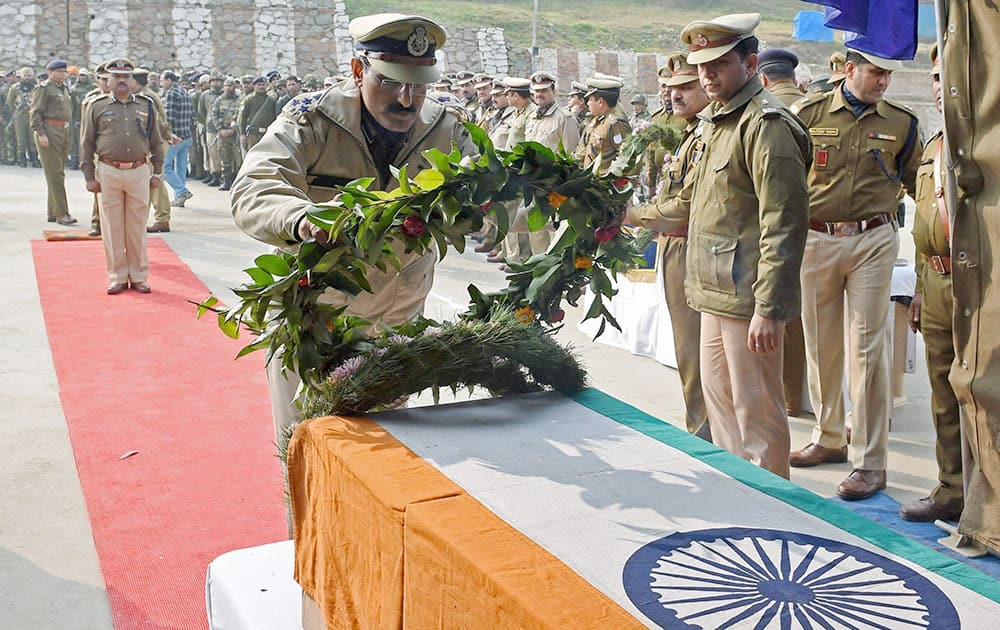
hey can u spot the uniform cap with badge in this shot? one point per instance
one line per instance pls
(257, 80)
(604, 85)
(578, 89)
(119, 66)
(518, 84)
(399, 47)
(463, 77)
(679, 71)
(482, 80)
(57, 64)
(543, 81)
(707, 40)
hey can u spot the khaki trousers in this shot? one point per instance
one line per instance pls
(858, 270)
(53, 159)
(160, 200)
(686, 325)
(124, 205)
(212, 152)
(743, 394)
(936, 327)
(395, 300)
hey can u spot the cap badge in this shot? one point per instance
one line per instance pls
(417, 43)
(700, 39)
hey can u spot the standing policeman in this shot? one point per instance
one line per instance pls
(866, 149)
(745, 240)
(50, 113)
(668, 214)
(256, 114)
(223, 115)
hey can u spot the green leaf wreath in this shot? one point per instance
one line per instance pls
(281, 304)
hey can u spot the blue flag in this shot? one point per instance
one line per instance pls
(849, 16)
(885, 28)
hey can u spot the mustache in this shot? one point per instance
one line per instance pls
(396, 108)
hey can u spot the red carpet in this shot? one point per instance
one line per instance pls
(140, 373)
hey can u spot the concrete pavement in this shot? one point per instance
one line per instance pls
(49, 572)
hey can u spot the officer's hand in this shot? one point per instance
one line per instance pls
(154, 181)
(914, 312)
(93, 186)
(765, 334)
(308, 230)
(174, 139)
(43, 141)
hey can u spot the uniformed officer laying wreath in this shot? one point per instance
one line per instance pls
(745, 240)
(356, 129)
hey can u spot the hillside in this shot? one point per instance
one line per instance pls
(651, 26)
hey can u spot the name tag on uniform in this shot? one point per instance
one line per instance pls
(821, 158)
(824, 131)
(881, 136)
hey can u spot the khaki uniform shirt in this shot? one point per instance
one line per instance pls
(748, 233)
(500, 127)
(256, 113)
(859, 164)
(930, 236)
(518, 125)
(602, 139)
(551, 126)
(671, 208)
(121, 131)
(786, 92)
(161, 112)
(315, 145)
(50, 101)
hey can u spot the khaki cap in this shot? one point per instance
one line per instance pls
(680, 70)
(711, 39)
(398, 46)
(543, 80)
(935, 62)
(881, 62)
(481, 79)
(604, 83)
(519, 84)
(836, 63)
(578, 89)
(463, 78)
(119, 66)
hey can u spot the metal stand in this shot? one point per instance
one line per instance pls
(960, 543)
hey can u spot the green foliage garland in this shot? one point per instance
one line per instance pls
(281, 304)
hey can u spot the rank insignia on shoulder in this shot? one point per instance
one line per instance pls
(824, 131)
(881, 136)
(768, 111)
(301, 105)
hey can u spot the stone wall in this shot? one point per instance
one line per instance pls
(310, 36)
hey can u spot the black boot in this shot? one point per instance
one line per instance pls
(227, 183)
(216, 179)
(36, 162)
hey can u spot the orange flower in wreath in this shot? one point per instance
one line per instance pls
(555, 199)
(525, 315)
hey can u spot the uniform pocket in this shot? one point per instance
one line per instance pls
(714, 262)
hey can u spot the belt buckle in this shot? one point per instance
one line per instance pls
(846, 229)
(937, 265)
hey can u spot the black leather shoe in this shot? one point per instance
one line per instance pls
(94, 232)
(926, 510)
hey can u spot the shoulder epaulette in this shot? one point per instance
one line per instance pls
(145, 96)
(809, 100)
(302, 105)
(901, 107)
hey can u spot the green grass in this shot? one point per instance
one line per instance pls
(651, 26)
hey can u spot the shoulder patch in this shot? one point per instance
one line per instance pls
(145, 96)
(901, 107)
(770, 112)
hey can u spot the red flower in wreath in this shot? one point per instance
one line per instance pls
(414, 226)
